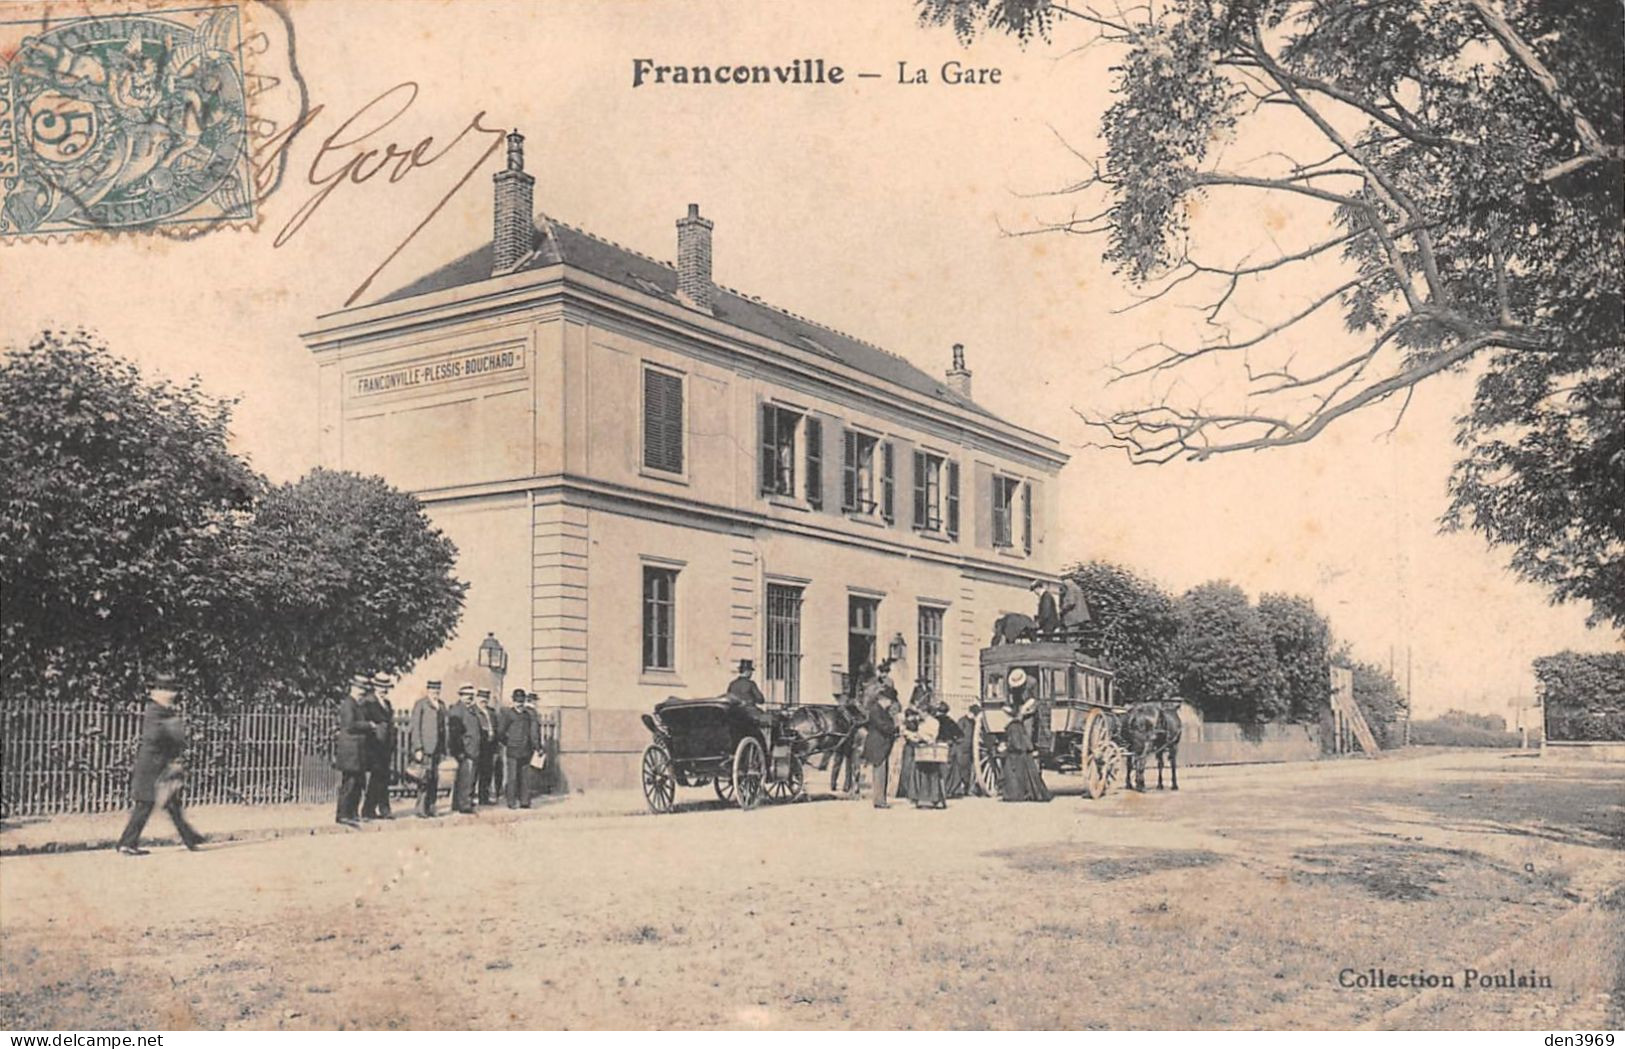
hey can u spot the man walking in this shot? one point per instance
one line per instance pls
(156, 777)
(519, 742)
(463, 736)
(380, 749)
(428, 742)
(350, 752)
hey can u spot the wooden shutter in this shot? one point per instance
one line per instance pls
(1027, 516)
(815, 463)
(769, 444)
(831, 455)
(920, 514)
(888, 480)
(849, 472)
(952, 483)
(982, 495)
(662, 421)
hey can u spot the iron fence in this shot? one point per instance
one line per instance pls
(57, 758)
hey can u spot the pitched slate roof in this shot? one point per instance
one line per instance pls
(557, 242)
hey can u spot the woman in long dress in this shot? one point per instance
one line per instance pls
(1022, 780)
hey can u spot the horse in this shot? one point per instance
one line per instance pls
(1152, 728)
(1012, 627)
(826, 735)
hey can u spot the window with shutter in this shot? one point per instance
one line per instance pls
(919, 490)
(953, 500)
(887, 480)
(1005, 490)
(779, 450)
(849, 471)
(1027, 516)
(769, 443)
(662, 421)
(815, 463)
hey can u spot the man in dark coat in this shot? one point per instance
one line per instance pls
(463, 739)
(519, 742)
(350, 753)
(877, 746)
(743, 689)
(491, 771)
(1049, 612)
(380, 716)
(427, 739)
(485, 757)
(157, 770)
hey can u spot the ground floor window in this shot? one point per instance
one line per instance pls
(931, 647)
(783, 644)
(659, 618)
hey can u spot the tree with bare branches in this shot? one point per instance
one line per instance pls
(1460, 164)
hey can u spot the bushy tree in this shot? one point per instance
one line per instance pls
(1459, 162)
(131, 536)
(1583, 694)
(1302, 640)
(1379, 699)
(1132, 626)
(118, 497)
(1225, 662)
(345, 574)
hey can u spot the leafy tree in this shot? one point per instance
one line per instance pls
(1379, 699)
(130, 536)
(1302, 640)
(1225, 661)
(118, 496)
(1132, 626)
(1583, 694)
(346, 575)
(1462, 160)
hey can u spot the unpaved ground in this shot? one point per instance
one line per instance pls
(1234, 903)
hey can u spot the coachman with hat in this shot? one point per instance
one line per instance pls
(158, 774)
(743, 689)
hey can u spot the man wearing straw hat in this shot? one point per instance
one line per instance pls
(463, 739)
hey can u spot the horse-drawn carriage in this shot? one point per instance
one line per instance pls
(743, 751)
(1075, 718)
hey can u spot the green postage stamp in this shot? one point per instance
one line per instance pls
(135, 120)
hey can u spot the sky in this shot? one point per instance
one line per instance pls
(878, 208)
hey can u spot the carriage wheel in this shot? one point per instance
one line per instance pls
(724, 786)
(659, 783)
(989, 765)
(1098, 755)
(791, 788)
(750, 769)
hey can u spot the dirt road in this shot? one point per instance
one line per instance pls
(1251, 898)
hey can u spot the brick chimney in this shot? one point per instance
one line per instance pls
(514, 221)
(959, 376)
(694, 260)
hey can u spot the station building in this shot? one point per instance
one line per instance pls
(650, 477)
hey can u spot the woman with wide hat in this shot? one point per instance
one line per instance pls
(1022, 779)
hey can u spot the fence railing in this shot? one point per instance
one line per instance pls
(76, 759)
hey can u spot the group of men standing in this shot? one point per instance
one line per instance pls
(495, 747)
(365, 751)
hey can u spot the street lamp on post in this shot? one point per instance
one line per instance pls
(897, 651)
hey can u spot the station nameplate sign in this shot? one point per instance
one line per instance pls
(444, 370)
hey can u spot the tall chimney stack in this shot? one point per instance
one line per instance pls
(959, 376)
(694, 260)
(514, 216)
